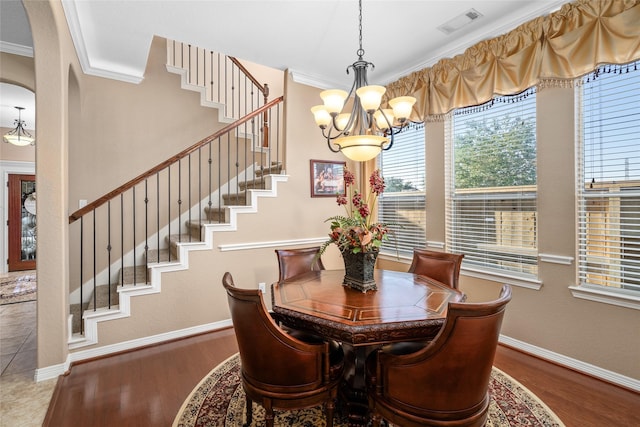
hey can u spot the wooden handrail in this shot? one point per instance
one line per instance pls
(102, 200)
(264, 89)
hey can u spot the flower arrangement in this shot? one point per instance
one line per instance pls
(356, 232)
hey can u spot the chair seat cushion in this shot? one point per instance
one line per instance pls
(404, 347)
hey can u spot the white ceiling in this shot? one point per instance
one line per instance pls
(314, 39)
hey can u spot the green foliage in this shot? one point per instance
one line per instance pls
(396, 185)
(498, 153)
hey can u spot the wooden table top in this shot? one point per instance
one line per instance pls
(405, 306)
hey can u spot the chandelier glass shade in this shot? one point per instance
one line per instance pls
(368, 129)
(19, 136)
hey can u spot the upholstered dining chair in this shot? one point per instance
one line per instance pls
(279, 371)
(292, 262)
(446, 382)
(441, 266)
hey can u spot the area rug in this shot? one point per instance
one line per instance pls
(17, 288)
(218, 401)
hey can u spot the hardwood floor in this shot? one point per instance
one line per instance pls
(147, 387)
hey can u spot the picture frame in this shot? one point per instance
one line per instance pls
(327, 178)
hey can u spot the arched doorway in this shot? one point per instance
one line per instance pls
(17, 168)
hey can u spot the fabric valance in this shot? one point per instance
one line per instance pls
(566, 44)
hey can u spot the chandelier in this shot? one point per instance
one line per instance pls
(19, 136)
(368, 129)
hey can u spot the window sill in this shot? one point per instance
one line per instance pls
(520, 281)
(606, 297)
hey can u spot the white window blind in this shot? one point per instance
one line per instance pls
(491, 185)
(608, 184)
(402, 205)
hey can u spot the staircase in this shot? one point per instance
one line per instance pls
(147, 226)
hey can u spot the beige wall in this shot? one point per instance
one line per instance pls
(94, 133)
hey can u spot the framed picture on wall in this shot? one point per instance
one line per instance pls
(327, 178)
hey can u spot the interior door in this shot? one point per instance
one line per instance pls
(22, 222)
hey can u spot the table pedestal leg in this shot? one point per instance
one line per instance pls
(353, 391)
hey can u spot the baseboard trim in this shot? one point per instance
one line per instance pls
(571, 363)
(49, 372)
(54, 371)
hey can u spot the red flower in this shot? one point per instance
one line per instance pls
(357, 199)
(376, 182)
(349, 177)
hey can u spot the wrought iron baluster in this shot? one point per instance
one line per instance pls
(200, 190)
(146, 231)
(81, 273)
(158, 214)
(179, 200)
(109, 250)
(94, 261)
(133, 203)
(189, 198)
(121, 239)
(169, 209)
(210, 184)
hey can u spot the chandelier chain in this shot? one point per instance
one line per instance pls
(360, 52)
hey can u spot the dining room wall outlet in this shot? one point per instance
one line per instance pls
(262, 287)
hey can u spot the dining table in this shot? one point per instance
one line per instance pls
(403, 307)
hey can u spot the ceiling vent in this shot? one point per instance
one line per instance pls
(460, 21)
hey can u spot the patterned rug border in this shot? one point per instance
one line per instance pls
(196, 389)
(28, 295)
(189, 412)
(530, 395)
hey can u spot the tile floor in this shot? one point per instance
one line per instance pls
(23, 402)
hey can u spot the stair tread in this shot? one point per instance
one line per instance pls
(183, 238)
(161, 255)
(274, 167)
(128, 274)
(101, 294)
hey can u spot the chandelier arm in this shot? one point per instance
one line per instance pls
(331, 148)
(334, 127)
(390, 144)
(386, 119)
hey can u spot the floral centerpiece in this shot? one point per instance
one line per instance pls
(357, 236)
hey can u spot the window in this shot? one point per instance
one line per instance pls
(491, 186)
(608, 183)
(402, 205)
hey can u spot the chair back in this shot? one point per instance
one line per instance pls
(449, 378)
(293, 262)
(441, 266)
(271, 359)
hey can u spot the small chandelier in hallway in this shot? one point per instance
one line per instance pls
(362, 134)
(19, 136)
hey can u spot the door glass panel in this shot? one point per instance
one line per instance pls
(28, 217)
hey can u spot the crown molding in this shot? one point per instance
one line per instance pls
(109, 71)
(16, 49)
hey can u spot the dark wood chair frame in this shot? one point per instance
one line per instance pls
(446, 382)
(278, 370)
(441, 266)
